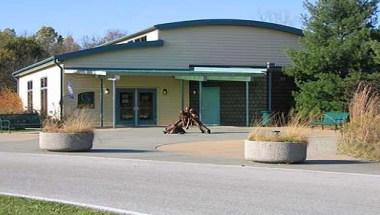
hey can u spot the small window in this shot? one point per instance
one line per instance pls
(44, 97)
(141, 39)
(86, 100)
(30, 85)
(43, 82)
(30, 96)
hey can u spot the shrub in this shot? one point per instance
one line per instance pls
(80, 121)
(293, 129)
(10, 102)
(361, 136)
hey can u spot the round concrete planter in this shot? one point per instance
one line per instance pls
(275, 152)
(66, 142)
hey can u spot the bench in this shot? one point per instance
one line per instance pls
(5, 125)
(332, 119)
(20, 121)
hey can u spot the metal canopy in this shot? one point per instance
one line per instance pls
(191, 74)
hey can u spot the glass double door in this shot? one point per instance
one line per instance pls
(135, 107)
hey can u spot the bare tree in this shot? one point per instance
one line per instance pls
(93, 41)
(278, 17)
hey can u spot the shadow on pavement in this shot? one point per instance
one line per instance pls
(230, 132)
(119, 151)
(319, 162)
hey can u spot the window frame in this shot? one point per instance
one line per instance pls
(29, 93)
(44, 96)
(86, 105)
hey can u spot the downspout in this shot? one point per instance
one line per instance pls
(56, 62)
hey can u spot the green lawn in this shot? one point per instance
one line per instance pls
(20, 206)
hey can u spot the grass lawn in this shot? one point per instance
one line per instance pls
(16, 206)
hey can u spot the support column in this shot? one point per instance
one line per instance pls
(247, 103)
(101, 102)
(181, 86)
(136, 108)
(200, 100)
(114, 103)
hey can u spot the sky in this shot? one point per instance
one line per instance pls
(94, 17)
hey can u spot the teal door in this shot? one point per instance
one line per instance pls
(211, 105)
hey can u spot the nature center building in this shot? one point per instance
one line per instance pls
(228, 70)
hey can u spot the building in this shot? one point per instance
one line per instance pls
(219, 66)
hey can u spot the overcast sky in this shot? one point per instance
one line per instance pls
(94, 17)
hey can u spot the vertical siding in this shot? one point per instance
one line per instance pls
(168, 105)
(53, 79)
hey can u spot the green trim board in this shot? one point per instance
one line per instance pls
(213, 78)
(190, 77)
(229, 78)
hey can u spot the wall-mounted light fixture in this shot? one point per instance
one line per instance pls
(195, 92)
(107, 91)
(165, 91)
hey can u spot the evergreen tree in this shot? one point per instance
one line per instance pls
(337, 52)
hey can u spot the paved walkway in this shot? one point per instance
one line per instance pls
(142, 143)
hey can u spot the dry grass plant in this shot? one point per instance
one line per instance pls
(361, 136)
(10, 102)
(293, 129)
(80, 121)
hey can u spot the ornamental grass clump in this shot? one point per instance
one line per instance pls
(80, 121)
(10, 102)
(292, 129)
(361, 136)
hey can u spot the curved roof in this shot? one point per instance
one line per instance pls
(231, 22)
(214, 22)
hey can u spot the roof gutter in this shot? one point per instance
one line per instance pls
(56, 62)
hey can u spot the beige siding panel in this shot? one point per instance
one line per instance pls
(168, 106)
(53, 75)
(204, 45)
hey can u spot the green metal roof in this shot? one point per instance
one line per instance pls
(231, 22)
(100, 49)
(85, 52)
(211, 22)
(46, 62)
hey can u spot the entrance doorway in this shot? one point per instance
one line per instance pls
(211, 105)
(135, 107)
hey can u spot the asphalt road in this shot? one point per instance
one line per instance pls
(160, 187)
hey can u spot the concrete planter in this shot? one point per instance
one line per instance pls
(66, 142)
(275, 152)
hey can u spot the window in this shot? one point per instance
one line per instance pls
(140, 39)
(30, 96)
(86, 100)
(44, 91)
